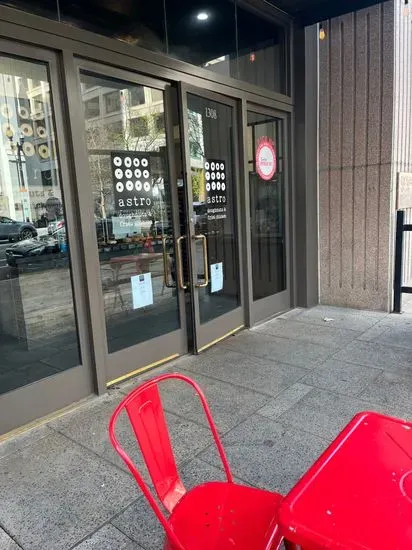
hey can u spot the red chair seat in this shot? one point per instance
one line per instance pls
(226, 516)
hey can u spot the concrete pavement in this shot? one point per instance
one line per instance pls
(279, 393)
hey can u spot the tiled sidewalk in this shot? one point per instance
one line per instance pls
(279, 394)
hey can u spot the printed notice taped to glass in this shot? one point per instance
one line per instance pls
(142, 290)
(216, 277)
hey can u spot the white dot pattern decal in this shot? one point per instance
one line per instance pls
(132, 181)
(215, 178)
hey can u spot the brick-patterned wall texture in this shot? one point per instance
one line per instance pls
(356, 91)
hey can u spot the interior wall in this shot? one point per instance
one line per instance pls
(355, 158)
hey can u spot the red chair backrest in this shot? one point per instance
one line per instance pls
(146, 415)
(145, 412)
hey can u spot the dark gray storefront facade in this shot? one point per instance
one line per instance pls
(172, 178)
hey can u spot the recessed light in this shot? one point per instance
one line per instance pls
(202, 16)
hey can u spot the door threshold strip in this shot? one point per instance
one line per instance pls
(210, 344)
(141, 370)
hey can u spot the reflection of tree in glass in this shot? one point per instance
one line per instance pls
(196, 184)
(195, 131)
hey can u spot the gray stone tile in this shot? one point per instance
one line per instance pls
(324, 413)
(397, 319)
(399, 335)
(108, 538)
(6, 543)
(341, 377)
(140, 524)
(229, 404)
(197, 471)
(54, 493)
(373, 333)
(377, 356)
(18, 442)
(91, 430)
(343, 318)
(268, 454)
(407, 308)
(390, 389)
(300, 354)
(292, 313)
(325, 335)
(285, 400)
(260, 374)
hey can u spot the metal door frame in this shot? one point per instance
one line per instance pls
(264, 308)
(208, 334)
(120, 365)
(36, 35)
(55, 392)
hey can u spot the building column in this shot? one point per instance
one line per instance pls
(305, 146)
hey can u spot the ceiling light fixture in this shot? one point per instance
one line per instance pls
(202, 16)
(322, 32)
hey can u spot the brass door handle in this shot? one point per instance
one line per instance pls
(205, 261)
(179, 263)
(166, 265)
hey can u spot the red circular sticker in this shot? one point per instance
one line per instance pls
(266, 159)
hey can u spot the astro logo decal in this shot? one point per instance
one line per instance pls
(132, 181)
(216, 188)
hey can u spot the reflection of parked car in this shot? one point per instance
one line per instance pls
(104, 227)
(55, 225)
(15, 231)
(33, 249)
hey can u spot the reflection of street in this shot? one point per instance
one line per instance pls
(42, 232)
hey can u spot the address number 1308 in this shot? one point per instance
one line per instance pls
(210, 113)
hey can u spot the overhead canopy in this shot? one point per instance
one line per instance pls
(313, 11)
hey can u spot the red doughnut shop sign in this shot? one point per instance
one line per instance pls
(266, 159)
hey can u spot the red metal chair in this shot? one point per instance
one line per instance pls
(212, 516)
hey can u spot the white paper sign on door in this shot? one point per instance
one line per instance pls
(216, 277)
(142, 290)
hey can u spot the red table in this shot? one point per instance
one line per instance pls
(358, 495)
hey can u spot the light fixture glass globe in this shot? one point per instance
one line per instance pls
(202, 16)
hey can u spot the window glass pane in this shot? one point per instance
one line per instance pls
(92, 108)
(132, 206)
(38, 334)
(262, 57)
(136, 23)
(267, 204)
(139, 127)
(157, 95)
(112, 102)
(137, 96)
(203, 33)
(212, 146)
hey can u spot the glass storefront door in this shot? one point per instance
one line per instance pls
(268, 196)
(41, 318)
(212, 164)
(131, 183)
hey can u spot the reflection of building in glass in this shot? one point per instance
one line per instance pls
(28, 165)
(121, 119)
